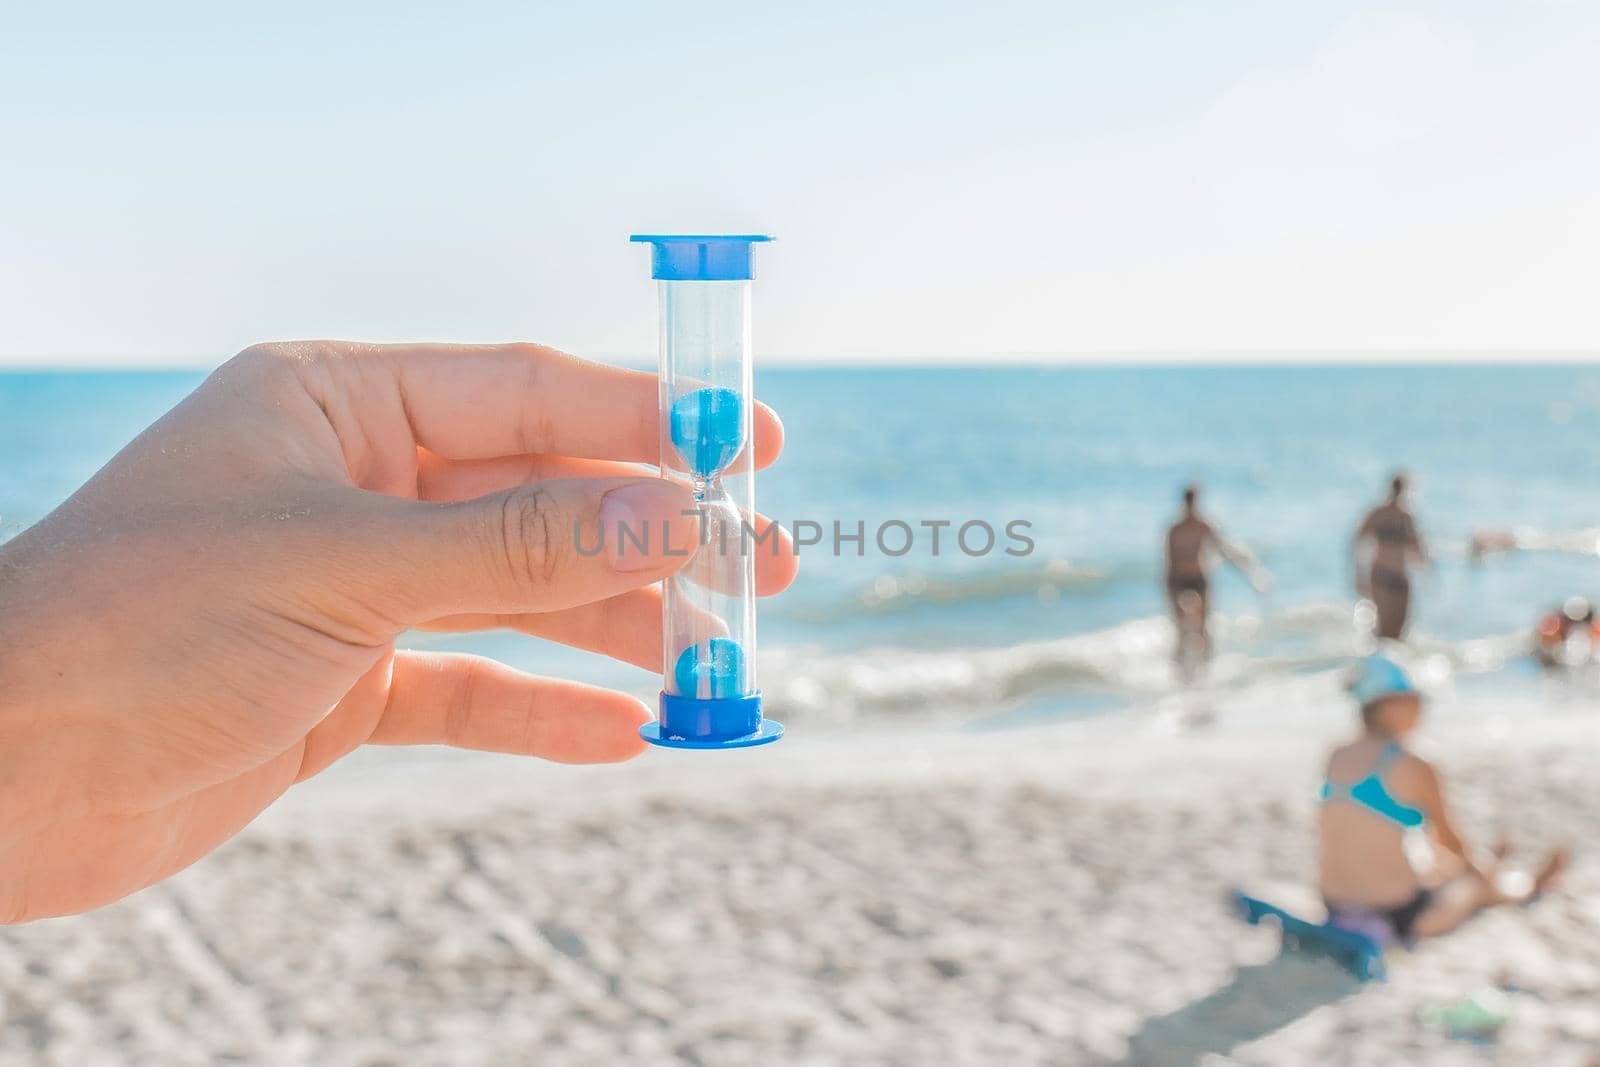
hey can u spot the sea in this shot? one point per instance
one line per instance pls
(1076, 471)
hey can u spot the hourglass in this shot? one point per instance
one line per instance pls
(709, 697)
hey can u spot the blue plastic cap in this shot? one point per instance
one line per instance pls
(734, 722)
(1378, 677)
(690, 257)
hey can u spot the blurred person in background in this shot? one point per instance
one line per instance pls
(1374, 791)
(1568, 636)
(1389, 534)
(1190, 542)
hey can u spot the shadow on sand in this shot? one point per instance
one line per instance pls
(1259, 1001)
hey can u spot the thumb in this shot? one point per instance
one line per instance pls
(535, 548)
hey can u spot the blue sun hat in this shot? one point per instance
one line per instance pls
(1377, 677)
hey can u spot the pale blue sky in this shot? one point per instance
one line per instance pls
(179, 180)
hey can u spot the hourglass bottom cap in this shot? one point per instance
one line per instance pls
(687, 722)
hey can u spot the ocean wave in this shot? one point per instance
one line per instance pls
(1490, 543)
(889, 594)
(1131, 660)
(1580, 542)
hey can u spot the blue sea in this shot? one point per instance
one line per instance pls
(1092, 461)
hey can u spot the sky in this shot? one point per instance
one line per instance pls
(1010, 180)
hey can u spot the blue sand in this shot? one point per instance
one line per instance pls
(708, 429)
(1357, 953)
(722, 664)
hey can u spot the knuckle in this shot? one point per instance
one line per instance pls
(291, 357)
(535, 354)
(265, 353)
(529, 536)
(459, 708)
(275, 354)
(535, 433)
(258, 363)
(275, 367)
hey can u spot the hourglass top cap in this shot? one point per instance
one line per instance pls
(700, 257)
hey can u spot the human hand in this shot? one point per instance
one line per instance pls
(212, 617)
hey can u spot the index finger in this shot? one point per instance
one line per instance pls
(484, 401)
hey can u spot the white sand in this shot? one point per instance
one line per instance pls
(1049, 896)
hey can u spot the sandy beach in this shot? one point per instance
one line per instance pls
(1051, 895)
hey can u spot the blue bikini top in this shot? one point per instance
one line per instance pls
(1371, 793)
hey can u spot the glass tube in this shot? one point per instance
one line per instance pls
(710, 696)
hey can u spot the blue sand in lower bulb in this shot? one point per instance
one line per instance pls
(722, 664)
(708, 429)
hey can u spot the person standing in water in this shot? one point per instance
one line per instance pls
(1385, 577)
(1190, 541)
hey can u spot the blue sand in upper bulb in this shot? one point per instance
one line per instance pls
(722, 664)
(708, 429)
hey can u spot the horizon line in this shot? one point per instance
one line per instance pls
(1150, 357)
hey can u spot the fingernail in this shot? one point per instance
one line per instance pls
(644, 524)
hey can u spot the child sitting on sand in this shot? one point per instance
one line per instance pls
(1374, 791)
